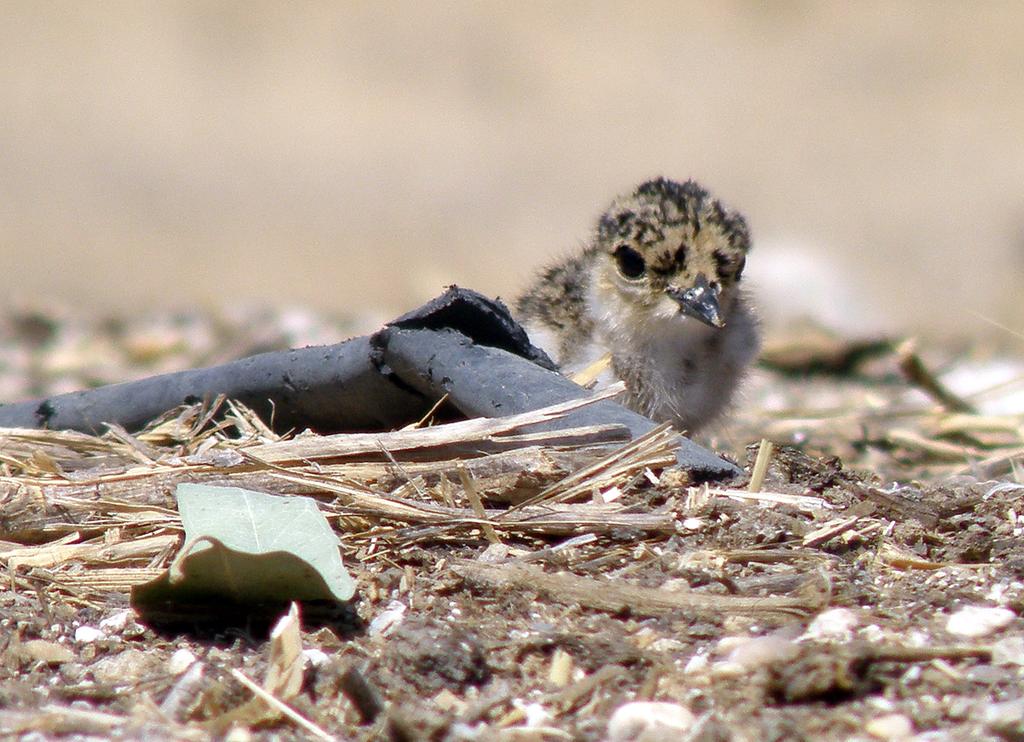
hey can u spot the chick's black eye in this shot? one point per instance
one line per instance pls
(631, 263)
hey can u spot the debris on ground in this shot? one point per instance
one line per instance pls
(520, 583)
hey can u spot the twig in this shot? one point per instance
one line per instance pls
(549, 520)
(829, 531)
(569, 698)
(616, 597)
(902, 507)
(478, 507)
(801, 502)
(901, 653)
(587, 376)
(401, 469)
(764, 456)
(917, 373)
(54, 719)
(900, 559)
(642, 449)
(773, 556)
(995, 464)
(938, 449)
(477, 434)
(430, 413)
(281, 706)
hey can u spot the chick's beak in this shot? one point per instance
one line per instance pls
(700, 301)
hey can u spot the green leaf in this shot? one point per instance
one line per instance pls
(250, 547)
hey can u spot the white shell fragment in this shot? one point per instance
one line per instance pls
(975, 621)
(835, 624)
(180, 661)
(315, 657)
(88, 634)
(387, 620)
(648, 721)
(761, 651)
(890, 727)
(116, 623)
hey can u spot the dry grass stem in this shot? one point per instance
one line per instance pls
(764, 457)
(281, 706)
(587, 376)
(807, 503)
(653, 449)
(827, 532)
(917, 373)
(619, 596)
(478, 507)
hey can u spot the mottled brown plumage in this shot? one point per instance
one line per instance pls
(657, 287)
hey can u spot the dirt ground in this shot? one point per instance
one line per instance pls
(870, 589)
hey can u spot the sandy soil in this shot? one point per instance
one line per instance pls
(901, 516)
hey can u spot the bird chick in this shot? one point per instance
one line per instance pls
(658, 290)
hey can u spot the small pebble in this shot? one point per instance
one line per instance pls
(448, 701)
(462, 732)
(88, 634)
(666, 644)
(536, 715)
(387, 620)
(1009, 651)
(835, 624)
(238, 733)
(315, 657)
(116, 623)
(494, 554)
(180, 661)
(890, 727)
(648, 721)
(976, 621)
(697, 664)
(763, 651)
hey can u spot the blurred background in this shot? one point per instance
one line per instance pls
(357, 157)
